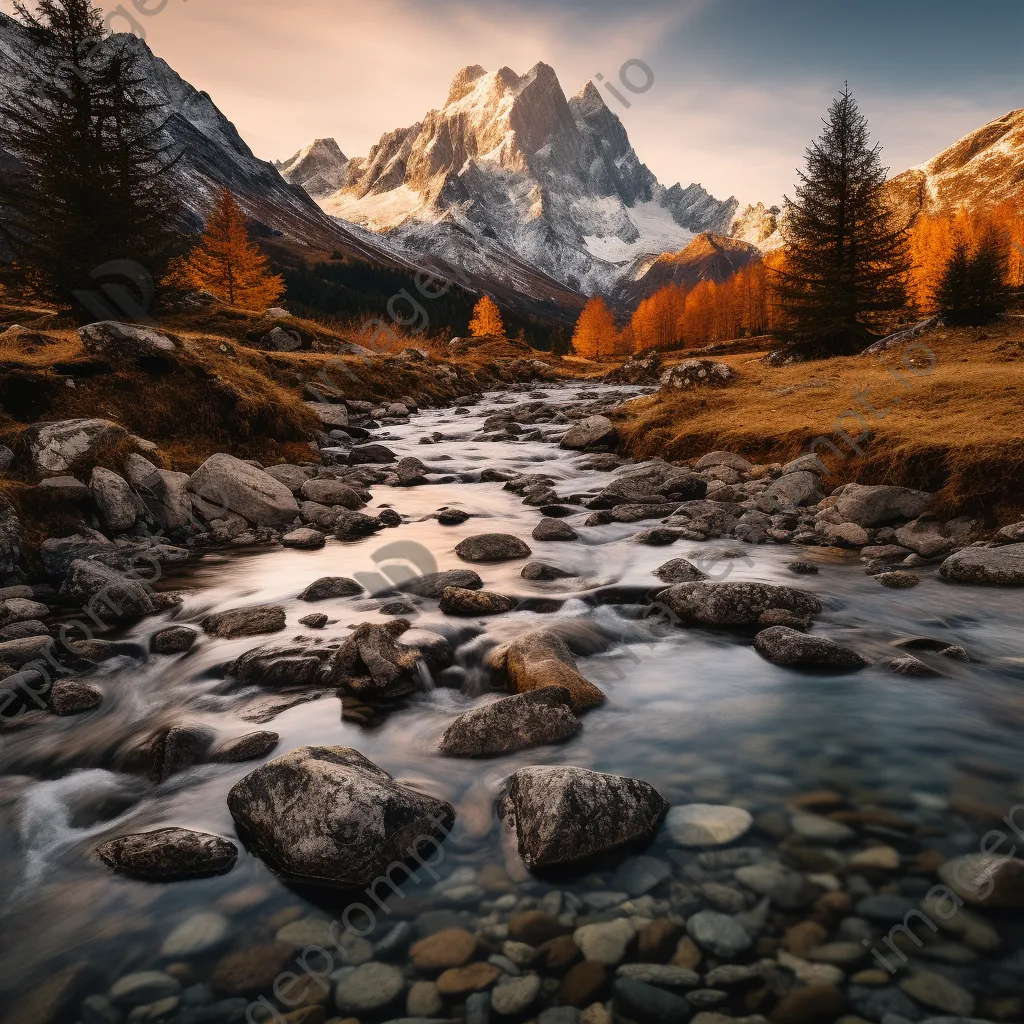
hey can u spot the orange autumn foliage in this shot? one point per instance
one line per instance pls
(596, 334)
(486, 322)
(226, 263)
(931, 244)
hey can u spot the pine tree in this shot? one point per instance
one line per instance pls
(486, 322)
(972, 290)
(596, 334)
(846, 259)
(227, 264)
(90, 188)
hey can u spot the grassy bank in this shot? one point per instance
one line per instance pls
(947, 417)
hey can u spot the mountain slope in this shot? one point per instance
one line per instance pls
(982, 168)
(509, 173)
(709, 257)
(320, 168)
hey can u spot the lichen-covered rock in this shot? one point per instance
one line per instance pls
(250, 747)
(268, 618)
(564, 815)
(538, 659)
(876, 505)
(118, 505)
(355, 525)
(225, 483)
(737, 605)
(592, 432)
(332, 492)
(512, 723)
(54, 448)
(792, 649)
(554, 529)
(70, 697)
(110, 594)
(329, 816)
(174, 640)
(330, 586)
(492, 547)
(10, 537)
(679, 570)
(799, 488)
(458, 601)
(304, 539)
(371, 664)
(113, 339)
(698, 373)
(434, 584)
(278, 667)
(169, 855)
(1003, 566)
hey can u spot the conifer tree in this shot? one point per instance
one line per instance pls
(972, 290)
(486, 322)
(846, 258)
(90, 183)
(596, 334)
(227, 264)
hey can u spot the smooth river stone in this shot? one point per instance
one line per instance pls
(707, 824)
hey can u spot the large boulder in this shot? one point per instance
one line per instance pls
(434, 584)
(228, 484)
(738, 605)
(55, 448)
(109, 593)
(331, 416)
(278, 667)
(332, 492)
(492, 547)
(792, 649)
(461, 601)
(539, 659)
(330, 586)
(126, 341)
(237, 622)
(876, 505)
(165, 494)
(329, 816)
(117, 503)
(169, 855)
(593, 432)
(698, 373)
(564, 816)
(798, 488)
(1002, 565)
(512, 723)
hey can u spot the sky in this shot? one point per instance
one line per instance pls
(739, 86)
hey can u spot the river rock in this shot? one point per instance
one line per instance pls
(605, 942)
(174, 640)
(225, 482)
(198, 934)
(797, 489)
(369, 989)
(457, 601)
(925, 538)
(898, 579)
(662, 975)
(450, 947)
(372, 454)
(564, 815)
(58, 447)
(118, 505)
(679, 570)
(1001, 565)
(238, 622)
(554, 529)
(110, 594)
(512, 723)
(251, 971)
(332, 492)
(648, 1004)
(939, 993)
(250, 747)
(434, 584)
(718, 934)
(329, 816)
(543, 573)
(17, 654)
(492, 547)
(21, 609)
(372, 665)
(144, 987)
(737, 605)
(304, 539)
(987, 881)
(10, 537)
(169, 855)
(70, 697)
(514, 996)
(876, 505)
(538, 659)
(330, 586)
(792, 649)
(592, 432)
(707, 824)
(355, 525)
(811, 1004)
(165, 494)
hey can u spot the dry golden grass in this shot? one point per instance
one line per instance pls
(955, 429)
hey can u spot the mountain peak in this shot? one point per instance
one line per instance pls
(588, 101)
(464, 82)
(319, 167)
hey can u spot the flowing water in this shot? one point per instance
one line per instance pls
(696, 713)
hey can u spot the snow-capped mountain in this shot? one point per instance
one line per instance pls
(980, 169)
(510, 173)
(320, 168)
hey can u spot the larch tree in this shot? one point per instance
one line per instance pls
(87, 196)
(486, 322)
(847, 258)
(227, 263)
(596, 334)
